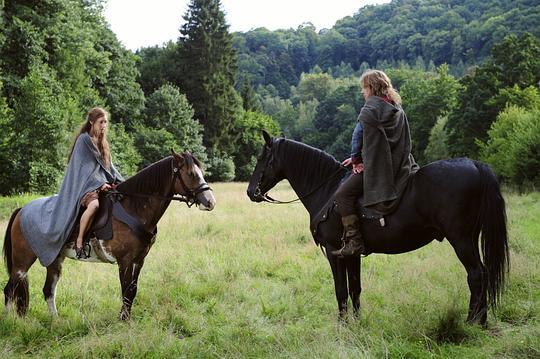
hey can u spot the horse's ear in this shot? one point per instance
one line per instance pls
(179, 158)
(267, 138)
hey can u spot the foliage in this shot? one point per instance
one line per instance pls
(335, 114)
(250, 102)
(125, 156)
(513, 146)
(39, 147)
(478, 105)
(282, 111)
(157, 66)
(123, 94)
(6, 138)
(153, 143)
(427, 97)
(168, 124)
(250, 141)
(459, 33)
(207, 62)
(220, 167)
(59, 58)
(437, 148)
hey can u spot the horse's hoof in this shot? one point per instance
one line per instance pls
(125, 316)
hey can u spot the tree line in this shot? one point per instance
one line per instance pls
(211, 91)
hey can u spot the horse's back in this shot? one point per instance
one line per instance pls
(437, 196)
(446, 192)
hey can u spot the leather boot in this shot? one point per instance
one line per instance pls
(352, 238)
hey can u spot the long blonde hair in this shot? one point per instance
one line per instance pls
(379, 84)
(103, 145)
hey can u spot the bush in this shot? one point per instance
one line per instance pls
(220, 167)
(126, 159)
(437, 148)
(513, 146)
(250, 141)
(168, 123)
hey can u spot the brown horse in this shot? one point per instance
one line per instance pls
(146, 196)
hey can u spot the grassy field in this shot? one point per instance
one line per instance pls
(247, 280)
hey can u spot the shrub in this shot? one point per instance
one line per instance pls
(513, 146)
(219, 168)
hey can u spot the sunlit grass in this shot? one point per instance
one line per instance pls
(246, 280)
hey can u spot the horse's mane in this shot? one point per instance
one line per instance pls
(190, 161)
(150, 179)
(310, 160)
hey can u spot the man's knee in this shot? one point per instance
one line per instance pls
(343, 196)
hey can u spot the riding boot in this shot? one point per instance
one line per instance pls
(352, 238)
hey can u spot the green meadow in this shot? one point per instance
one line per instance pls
(247, 280)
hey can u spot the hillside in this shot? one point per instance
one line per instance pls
(459, 33)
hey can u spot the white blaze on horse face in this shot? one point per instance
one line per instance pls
(209, 201)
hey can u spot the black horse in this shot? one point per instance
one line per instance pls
(454, 199)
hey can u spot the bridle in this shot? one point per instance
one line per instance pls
(266, 198)
(190, 198)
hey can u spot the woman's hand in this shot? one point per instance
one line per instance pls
(105, 187)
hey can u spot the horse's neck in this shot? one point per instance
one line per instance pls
(149, 211)
(313, 187)
(150, 206)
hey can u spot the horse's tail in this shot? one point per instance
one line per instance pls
(8, 259)
(494, 238)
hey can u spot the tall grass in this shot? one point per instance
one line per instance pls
(246, 280)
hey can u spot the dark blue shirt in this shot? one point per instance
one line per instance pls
(356, 142)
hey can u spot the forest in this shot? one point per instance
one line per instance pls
(468, 72)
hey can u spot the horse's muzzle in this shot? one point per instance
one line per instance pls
(255, 196)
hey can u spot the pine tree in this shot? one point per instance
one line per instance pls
(249, 101)
(207, 71)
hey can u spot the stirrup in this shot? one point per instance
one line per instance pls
(83, 253)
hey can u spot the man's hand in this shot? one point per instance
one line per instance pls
(358, 168)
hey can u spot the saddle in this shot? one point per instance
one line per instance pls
(101, 228)
(329, 214)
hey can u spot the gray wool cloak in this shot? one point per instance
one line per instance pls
(386, 154)
(47, 222)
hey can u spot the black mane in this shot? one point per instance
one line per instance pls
(150, 179)
(297, 154)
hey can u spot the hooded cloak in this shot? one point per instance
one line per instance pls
(47, 222)
(386, 153)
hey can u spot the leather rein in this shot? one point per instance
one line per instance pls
(266, 198)
(190, 198)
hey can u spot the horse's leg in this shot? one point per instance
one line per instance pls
(129, 274)
(355, 286)
(467, 252)
(49, 288)
(339, 271)
(22, 258)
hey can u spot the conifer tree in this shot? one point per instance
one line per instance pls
(207, 71)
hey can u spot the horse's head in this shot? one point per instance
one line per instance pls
(267, 172)
(189, 181)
